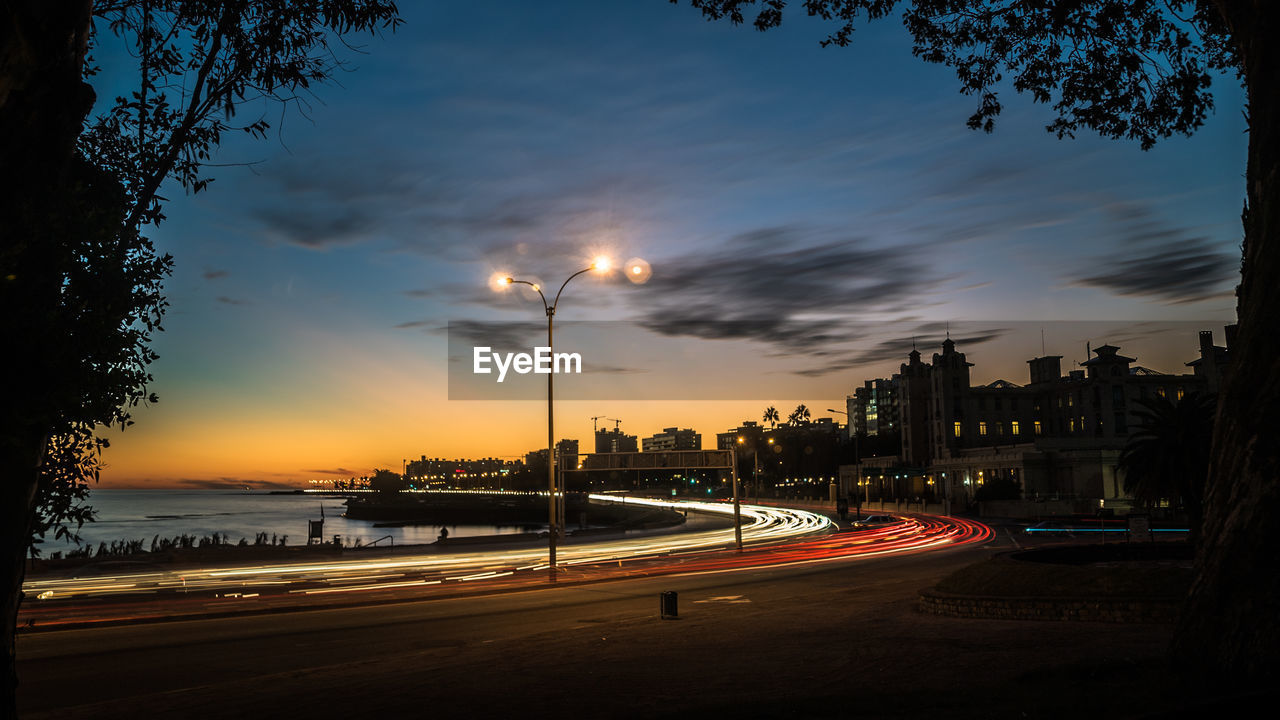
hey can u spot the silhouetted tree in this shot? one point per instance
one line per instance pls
(386, 482)
(799, 416)
(79, 283)
(1167, 455)
(771, 416)
(1142, 70)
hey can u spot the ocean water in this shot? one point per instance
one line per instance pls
(143, 514)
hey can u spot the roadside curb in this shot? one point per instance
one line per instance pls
(1084, 609)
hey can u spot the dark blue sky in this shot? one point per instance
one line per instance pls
(762, 176)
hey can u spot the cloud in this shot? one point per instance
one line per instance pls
(416, 324)
(897, 348)
(215, 274)
(1160, 262)
(232, 301)
(500, 336)
(612, 369)
(334, 471)
(789, 287)
(230, 483)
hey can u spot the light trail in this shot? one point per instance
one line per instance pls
(773, 536)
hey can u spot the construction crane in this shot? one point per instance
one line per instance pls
(616, 423)
(594, 426)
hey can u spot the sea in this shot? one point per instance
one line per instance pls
(124, 515)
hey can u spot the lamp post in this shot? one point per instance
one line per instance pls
(755, 464)
(857, 461)
(556, 506)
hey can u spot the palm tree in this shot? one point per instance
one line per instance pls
(1167, 457)
(771, 416)
(799, 416)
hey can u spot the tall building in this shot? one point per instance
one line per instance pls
(567, 453)
(672, 439)
(613, 441)
(914, 385)
(874, 407)
(1058, 436)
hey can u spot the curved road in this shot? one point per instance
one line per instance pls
(773, 537)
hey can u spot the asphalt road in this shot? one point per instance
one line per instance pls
(841, 639)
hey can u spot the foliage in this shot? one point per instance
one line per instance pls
(771, 416)
(799, 416)
(72, 462)
(387, 482)
(1135, 69)
(199, 61)
(1167, 455)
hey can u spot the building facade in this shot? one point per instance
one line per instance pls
(672, 439)
(1058, 437)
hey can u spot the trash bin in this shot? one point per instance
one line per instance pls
(667, 604)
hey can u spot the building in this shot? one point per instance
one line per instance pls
(613, 441)
(1058, 436)
(437, 473)
(751, 433)
(873, 408)
(672, 439)
(567, 453)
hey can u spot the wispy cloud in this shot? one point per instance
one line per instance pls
(897, 348)
(790, 287)
(1158, 261)
(231, 483)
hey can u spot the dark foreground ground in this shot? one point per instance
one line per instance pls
(834, 640)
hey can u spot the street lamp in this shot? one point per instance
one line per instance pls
(755, 463)
(857, 460)
(556, 501)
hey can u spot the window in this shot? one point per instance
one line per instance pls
(999, 405)
(1122, 427)
(999, 428)
(982, 427)
(1160, 391)
(1071, 400)
(957, 428)
(1071, 424)
(1179, 392)
(1039, 429)
(1013, 427)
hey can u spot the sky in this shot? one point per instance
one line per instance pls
(807, 213)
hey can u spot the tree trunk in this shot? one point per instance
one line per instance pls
(43, 102)
(17, 498)
(1230, 625)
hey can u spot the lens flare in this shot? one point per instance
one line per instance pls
(638, 271)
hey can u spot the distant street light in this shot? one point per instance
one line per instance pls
(556, 501)
(755, 463)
